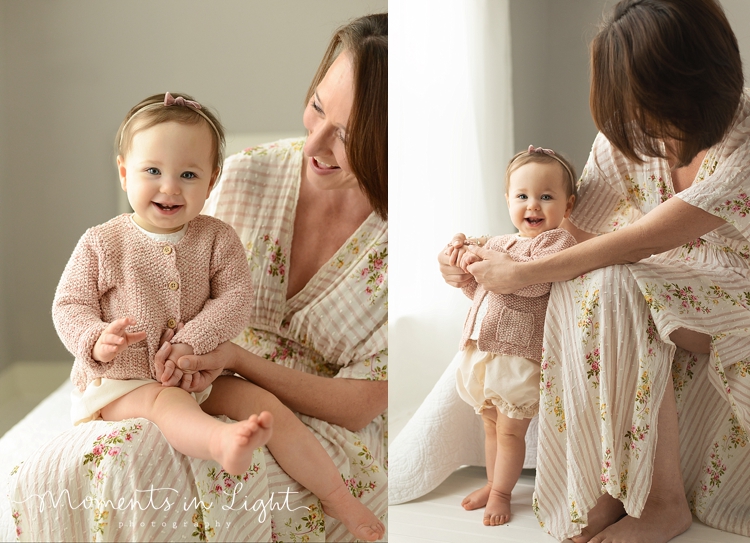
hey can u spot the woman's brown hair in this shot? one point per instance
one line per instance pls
(665, 69)
(366, 40)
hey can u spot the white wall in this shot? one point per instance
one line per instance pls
(72, 70)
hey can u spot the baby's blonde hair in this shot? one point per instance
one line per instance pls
(543, 156)
(146, 114)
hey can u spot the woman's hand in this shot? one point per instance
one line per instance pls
(207, 367)
(496, 272)
(447, 258)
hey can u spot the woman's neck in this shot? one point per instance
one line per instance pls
(684, 176)
(324, 220)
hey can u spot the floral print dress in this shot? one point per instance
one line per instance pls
(107, 481)
(608, 358)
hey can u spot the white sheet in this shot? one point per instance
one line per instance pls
(443, 435)
(46, 421)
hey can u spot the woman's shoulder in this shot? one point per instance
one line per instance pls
(734, 149)
(271, 169)
(279, 150)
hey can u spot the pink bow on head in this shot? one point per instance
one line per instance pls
(533, 149)
(170, 100)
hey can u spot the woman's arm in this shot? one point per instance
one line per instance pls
(670, 225)
(351, 403)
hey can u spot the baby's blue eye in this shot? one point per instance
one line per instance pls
(522, 197)
(546, 197)
(153, 171)
(188, 175)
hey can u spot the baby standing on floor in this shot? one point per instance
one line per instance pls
(502, 339)
(138, 275)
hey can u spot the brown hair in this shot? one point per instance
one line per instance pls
(366, 40)
(539, 157)
(665, 69)
(151, 116)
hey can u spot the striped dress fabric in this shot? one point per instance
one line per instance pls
(334, 327)
(607, 356)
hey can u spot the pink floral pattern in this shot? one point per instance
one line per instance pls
(739, 205)
(374, 273)
(109, 445)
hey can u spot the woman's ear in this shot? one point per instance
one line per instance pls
(122, 172)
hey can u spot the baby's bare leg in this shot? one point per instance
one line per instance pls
(511, 449)
(297, 451)
(479, 497)
(191, 431)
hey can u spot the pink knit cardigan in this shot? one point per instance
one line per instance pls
(514, 323)
(118, 271)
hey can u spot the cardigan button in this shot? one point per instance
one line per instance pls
(173, 285)
(171, 323)
(167, 250)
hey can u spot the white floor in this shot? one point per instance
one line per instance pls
(23, 385)
(438, 517)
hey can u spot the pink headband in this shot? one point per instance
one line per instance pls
(533, 149)
(550, 152)
(170, 100)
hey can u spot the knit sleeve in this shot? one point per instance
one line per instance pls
(76, 312)
(229, 308)
(470, 289)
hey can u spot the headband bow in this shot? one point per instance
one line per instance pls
(170, 100)
(533, 149)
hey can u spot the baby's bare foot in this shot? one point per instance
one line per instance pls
(357, 518)
(478, 498)
(233, 445)
(498, 509)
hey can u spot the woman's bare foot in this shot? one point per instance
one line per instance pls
(357, 518)
(498, 509)
(607, 511)
(233, 445)
(478, 498)
(660, 521)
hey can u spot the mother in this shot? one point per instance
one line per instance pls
(645, 405)
(312, 214)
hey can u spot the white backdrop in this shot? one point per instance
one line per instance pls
(451, 135)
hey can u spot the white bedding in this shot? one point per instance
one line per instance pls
(48, 420)
(443, 435)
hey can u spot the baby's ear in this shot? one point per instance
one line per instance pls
(214, 179)
(569, 207)
(122, 172)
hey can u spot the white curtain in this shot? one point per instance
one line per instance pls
(451, 136)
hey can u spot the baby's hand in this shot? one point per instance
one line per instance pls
(172, 374)
(115, 339)
(468, 258)
(455, 249)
